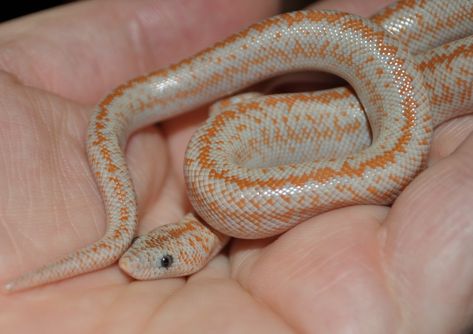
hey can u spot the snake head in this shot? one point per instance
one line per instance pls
(172, 250)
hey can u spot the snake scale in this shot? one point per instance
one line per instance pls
(262, 164)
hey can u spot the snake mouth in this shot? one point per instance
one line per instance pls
(133, 268)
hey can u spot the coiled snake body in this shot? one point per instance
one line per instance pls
(262, 164)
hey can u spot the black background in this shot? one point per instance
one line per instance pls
(23, 7)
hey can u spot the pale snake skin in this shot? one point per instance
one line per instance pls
(261, 165)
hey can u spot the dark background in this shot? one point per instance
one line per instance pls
(24, 7)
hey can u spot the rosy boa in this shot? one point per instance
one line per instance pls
(262, 164)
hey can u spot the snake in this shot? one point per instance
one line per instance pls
(262, 164)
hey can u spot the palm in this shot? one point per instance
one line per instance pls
(368, 269)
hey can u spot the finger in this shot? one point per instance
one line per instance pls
(82, 50)
(430, 241)
(449, 136)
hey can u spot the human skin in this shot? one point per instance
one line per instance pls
(361, 269)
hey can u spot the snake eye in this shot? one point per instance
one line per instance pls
(166, 261)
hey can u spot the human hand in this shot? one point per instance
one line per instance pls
(359, 268)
